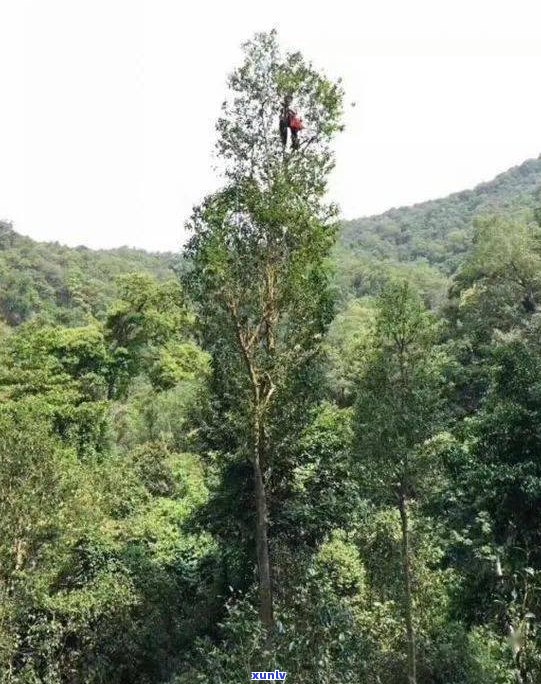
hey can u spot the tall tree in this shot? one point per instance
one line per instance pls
(259, 262)
(494, 316)
(397, 409)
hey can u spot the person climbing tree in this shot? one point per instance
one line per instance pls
(290, 119)
(258, 274)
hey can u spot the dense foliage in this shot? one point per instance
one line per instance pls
(426, 243)
(440, 231)
(388, 414)
(65, 285)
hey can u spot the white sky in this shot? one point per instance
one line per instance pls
(107, 107)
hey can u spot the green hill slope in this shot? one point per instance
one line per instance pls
(438, 232)
(424, 242)
(64, 284)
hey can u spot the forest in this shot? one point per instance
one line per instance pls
(299, 445)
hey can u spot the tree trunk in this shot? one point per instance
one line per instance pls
(266, 614)
(408, 594)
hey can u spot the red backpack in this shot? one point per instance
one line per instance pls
(295, 123)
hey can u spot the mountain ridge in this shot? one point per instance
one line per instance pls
(425, 241)
(439, 231)
(66, 284)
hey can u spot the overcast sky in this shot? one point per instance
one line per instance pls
(107, 107)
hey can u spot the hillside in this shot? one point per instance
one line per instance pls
(438, 232)
(424, 242)
(64, 284)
